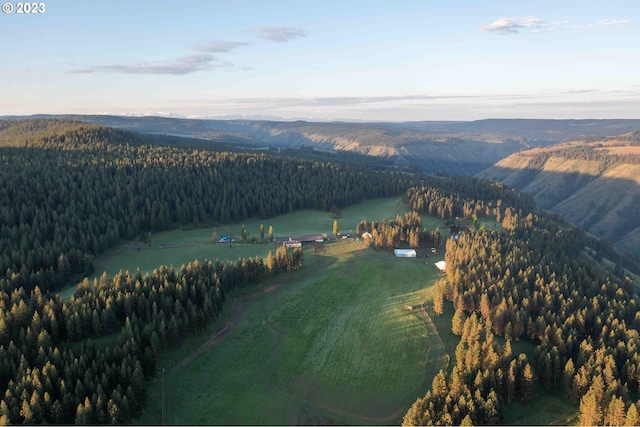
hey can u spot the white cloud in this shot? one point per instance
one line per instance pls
(536, 25)
(183, 65)
(219, 46)
(279, 34)
(605, 22)
(186, 64)
(513, 25)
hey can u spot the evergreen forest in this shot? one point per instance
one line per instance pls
(70, 191)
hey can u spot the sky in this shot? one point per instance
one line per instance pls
(323, 60)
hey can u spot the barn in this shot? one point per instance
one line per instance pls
(405, 253)
(442, 266)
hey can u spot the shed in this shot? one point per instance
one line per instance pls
(442, 266)
(405, 253)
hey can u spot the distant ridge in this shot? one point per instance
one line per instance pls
(594, 184)
(451, 147)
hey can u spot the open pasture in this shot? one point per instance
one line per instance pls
(179, 246)
(333, 345)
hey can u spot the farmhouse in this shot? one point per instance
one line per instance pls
(292, 243)
(442, 266)
(405, 253)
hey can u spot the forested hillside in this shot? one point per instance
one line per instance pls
(454, 148)
(594, 184)
(445, 151)
(70, 191)
(530, 281)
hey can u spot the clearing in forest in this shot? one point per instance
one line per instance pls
(333, 344)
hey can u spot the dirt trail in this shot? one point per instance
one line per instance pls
(237, 311)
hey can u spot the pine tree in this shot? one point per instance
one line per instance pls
(527, 384)
(466, 421)
(632, 418)
(457, 323)
(485, 307)
(615, 415)
(438, 301)
(271, 265)
(590, 410)
(569, 372)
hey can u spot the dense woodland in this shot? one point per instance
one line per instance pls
(531, 281)
(408, 229)
(69, 192)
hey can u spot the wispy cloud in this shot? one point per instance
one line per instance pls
(279, 34)
(219, 46)
(187, 64)
(536, 25)
(613, 102)
(513, 25)
(606, 22)
(204, 58)
(184, 65)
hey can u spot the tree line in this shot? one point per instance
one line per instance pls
(69, 192)
(532, 281)
(72, 190)
(44, 379)
(485, 377)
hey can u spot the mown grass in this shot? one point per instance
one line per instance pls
(335, 345)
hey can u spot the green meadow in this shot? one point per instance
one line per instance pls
(179, 246)
(329, 344)
(334, 345)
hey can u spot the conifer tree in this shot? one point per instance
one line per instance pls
(632, 418)
(590, 410)
(438, 300)
(457, 323)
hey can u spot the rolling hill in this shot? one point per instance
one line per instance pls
(592, 183)
(455, 148)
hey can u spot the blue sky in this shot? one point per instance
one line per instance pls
(324, 60)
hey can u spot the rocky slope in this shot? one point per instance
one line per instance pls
(593, 184)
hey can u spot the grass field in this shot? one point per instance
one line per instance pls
(181, 246)
(333, 346)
